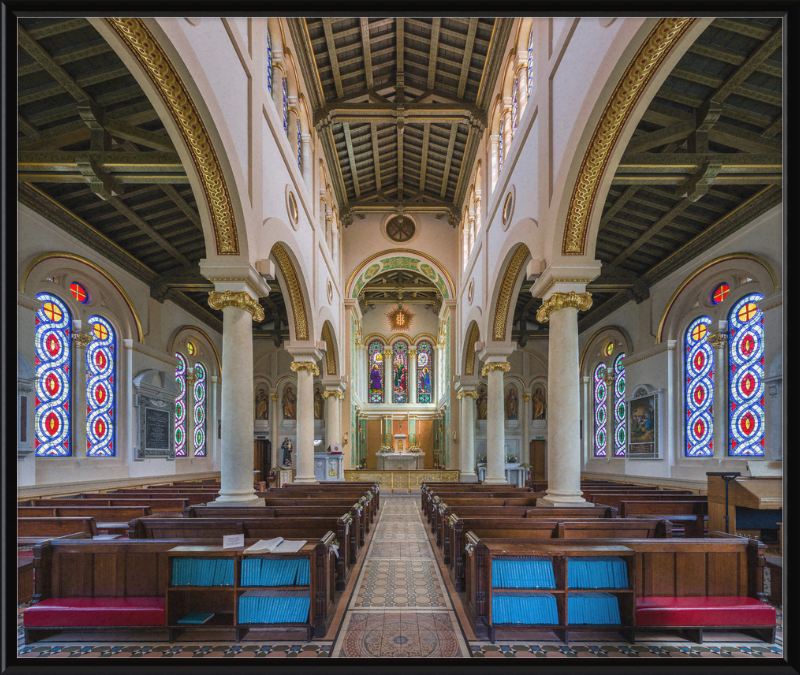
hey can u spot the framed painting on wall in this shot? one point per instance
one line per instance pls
(643, 426)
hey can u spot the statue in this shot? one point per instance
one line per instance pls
(319, 404)
(289, 400)
(262, 404)
(482, 404)
(538, 404)
(286, 446)
(512, 406)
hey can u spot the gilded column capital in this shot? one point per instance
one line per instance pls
(240, 299)
(82, 339)
(608, 378)
(305, 365)
(467, 393)
(718, 340)
(580, 301)
(387, 350)
(504, 366)
(412, 351)
(274, 395)
(333, 392)
(526, 397)
(191, 378)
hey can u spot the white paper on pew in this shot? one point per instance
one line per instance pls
(290, 546)
(232, 541)
(264, 545)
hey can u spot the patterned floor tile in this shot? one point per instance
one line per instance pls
(399, 583)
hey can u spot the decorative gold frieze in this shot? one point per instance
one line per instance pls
(469, 366)
(82, 340)
(581, 301)
(467, 393)
(296, 299)
(330, 349)
(630, 87)
(503, 305)
(504, 366)
(240, 299)
(333, 392)
(305, 365)
(717, 340)
(182, 108)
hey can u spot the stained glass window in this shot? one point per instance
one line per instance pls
(608, 350)
(500, 150)
(720, 293)
(530, 63)
(600, 398)
(400, 372)
(514, 93)
(79, 292)
(746, 377)
(620, 440)
(699, 392)
(200, 410)
(190, 347)
(269, 63)
(425, 372)
(101, 380)
(53, 372)
(285, 106)
(376, 371)
(180, 407)
(299, 147)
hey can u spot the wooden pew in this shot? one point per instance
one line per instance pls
(688, 514)
(612, 499)
(55, 527)
(368, 497)
(168, 507)
(115, 519)
(336, 486)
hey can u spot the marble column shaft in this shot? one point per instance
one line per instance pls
(719, 341)
(495, 424)
(526, 429)
(305, 421)
(412, 375)
(387, 375)
(468, 474)
(80, 340)
(274, 432)
(333, 425)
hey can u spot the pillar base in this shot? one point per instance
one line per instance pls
(495, 481)
(563, 502)
(467, 477)
(237, 501)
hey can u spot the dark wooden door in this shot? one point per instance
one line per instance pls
(261, 459)
(538, 460)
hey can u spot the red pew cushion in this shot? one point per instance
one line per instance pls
(695, 611)
(56, 612)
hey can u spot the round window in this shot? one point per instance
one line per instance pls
(79, 292)
(191, 348)
(720, 293)
(400, 229)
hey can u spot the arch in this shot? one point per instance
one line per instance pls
(623, 334)
(711, 263)
(331, 351)
(79, 258)
(507, 290)
(399, 258)
(391, 340)
(211, 344)
(424, 336)
(181, 407)
(470, 358)
(165, 81)
(24, 368)
(296, 291)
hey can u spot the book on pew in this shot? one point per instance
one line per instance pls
(196, 618)
(290, 546)
(265, 545)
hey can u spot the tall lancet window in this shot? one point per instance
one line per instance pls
(400, 372)
(746, 378)
(180, 407)
(53, 437)
(269, 63)
(285, 106)
(100, 390)
(425, 372)
(500, 149)
(376, 373)
(600, 398)
(299, 147)
(200, 410)
(699, 391)
(514, 105)
(620, 440)
(530, 63)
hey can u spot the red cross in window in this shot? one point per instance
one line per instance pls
(721, 293)
(100, 331)
(52, 312)
(748, 312)
(699, 332)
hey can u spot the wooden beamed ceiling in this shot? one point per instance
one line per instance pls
(400, 105)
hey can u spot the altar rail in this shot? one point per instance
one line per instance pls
(403, 481)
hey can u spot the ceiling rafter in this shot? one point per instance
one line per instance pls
(329, 39)
(462, 80)
(436, 25)
(367, 51)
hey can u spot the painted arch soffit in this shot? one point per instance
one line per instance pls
(407, 259)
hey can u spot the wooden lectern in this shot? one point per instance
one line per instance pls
(754, 504)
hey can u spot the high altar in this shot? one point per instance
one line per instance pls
(399, 460)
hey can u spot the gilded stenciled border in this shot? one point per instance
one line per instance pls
(474, 335)
(295, 292)
(330, 351)
(630, 87)
(163, 74)
(506, 289)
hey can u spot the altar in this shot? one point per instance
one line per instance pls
(400, 461)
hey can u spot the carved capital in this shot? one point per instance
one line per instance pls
(305, 365)
(608, 378)
(503, 366)
(718, 340)
(82, 340)
(412, 351)
(387, 351)
(467, 393)
(581, 302)
(241, 299)
(191, 378)
(334, 392)
(526, 397)
(274, 396)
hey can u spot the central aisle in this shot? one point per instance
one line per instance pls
(400, 607)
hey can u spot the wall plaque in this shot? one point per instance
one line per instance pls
(156, 428)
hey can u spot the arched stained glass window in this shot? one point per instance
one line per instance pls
(79, 292)
(500, 149)
(269, 63)
(746, 378)
(400, 372)
(720, 293)
(200, 410)
(285, 106)
(101, 380)
(600, 398)
(425, 372)
(514, 105)
(376, 368)
(530, 63)
(299, 147)
(620, 439)
(180, 407)
(53, 378)
(699, 391)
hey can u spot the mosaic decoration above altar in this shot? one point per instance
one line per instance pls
(419, 262)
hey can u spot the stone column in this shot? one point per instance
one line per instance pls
(495, 421)
(239, 309)
(274, 432)
(307, 160)
(387, 375)
(306, 371)
(494, 140)
(564, 405)
(128, 410)
(333, 424)
(412, 374)
(507, 128)
(467, 397)
(522, 88)
(81, 341)
(213, 418)
(588, 439)
(672, 452)
(718, 341)
(335, 245)
(291, 130)
(277, 83)
(525, 455)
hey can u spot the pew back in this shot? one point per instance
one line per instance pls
(54, 526)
